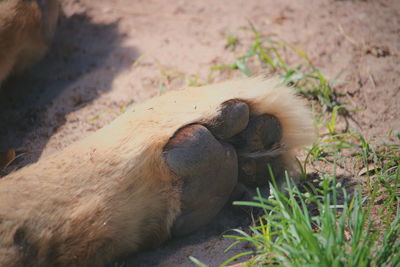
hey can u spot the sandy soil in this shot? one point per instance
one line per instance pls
(109, 54)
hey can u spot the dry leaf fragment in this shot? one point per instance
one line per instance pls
(371, 168)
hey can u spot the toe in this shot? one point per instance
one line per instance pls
(232, 119)
(261, 133)
(259, 146)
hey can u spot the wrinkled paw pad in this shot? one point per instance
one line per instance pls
(212, 156)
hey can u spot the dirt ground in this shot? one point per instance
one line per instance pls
(108, 55)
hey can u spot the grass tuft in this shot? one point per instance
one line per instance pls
(320, 224)
(269, 55)
(340, 232)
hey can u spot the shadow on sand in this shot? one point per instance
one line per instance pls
(208, 245)
(81, 64)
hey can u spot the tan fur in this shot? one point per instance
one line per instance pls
(111, 193)
(25, 33)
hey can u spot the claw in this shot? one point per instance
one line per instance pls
(276, 150)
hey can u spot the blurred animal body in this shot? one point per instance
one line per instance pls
(26, 30)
